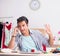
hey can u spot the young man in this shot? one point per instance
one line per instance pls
(28, 39)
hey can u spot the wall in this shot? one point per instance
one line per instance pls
(49, 13)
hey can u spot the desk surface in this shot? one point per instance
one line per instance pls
(28, 54)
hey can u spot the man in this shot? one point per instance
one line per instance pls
(28, 39)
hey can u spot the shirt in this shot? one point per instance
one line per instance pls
(28, 44)
(37, 37)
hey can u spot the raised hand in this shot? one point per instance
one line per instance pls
(15, 32)
(48, 29)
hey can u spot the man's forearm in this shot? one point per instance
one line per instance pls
(51, 41)
(11, 43)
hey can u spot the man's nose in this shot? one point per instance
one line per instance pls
(21, 28)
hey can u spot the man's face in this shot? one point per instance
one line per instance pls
(23, 27)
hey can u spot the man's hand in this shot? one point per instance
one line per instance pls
(48, 29)
(15, 32)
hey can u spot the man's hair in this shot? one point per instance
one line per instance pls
(22, 18)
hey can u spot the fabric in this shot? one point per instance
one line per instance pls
(44, 47)
(37, 37)
(3, 38)
(6, 35)
(8, 30)
(28, 44)
(1, 27)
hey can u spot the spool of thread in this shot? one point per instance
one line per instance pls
(32, 50)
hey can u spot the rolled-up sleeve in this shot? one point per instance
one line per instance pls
(16, 42)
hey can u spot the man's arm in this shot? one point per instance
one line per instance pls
(48, 30)
(12, 41)
(51, 39)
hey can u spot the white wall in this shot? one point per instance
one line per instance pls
(49, 12)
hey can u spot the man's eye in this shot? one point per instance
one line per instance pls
(18, 26)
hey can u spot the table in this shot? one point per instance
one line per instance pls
(31, 54)
(19, 54)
